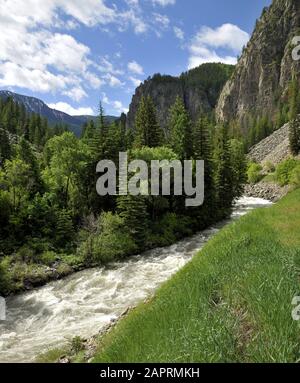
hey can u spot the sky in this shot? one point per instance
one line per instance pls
(74, 53)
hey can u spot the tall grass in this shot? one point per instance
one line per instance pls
(231, 303)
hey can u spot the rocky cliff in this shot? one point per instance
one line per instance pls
(262, 75)
(199, 88)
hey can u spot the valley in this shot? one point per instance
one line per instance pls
(103, 261)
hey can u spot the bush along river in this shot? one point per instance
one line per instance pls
(85, 302)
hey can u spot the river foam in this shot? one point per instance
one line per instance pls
(85, 302)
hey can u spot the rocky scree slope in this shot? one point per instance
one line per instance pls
(274, 148)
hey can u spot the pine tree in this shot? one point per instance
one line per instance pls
(9, 116)
(88, 131)
(102, 130)
(95, 136)
(180, 130)
(38, 131)
(25, 153)
(32, 128)
(294, 136)
(122, 126)
(129, 139)
(223, 170)
(5, 148)
(147, 130)
(201, 139)
(134, 213)
(202, 150)
(294, 99)
(64, 229)
(101, 121)
(238, 166)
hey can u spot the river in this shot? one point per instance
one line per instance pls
(84, 302)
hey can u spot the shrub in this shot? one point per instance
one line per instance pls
(77, 344)
(63, 269)
(169, 229)
(284, 171)
(5, 281)
(34, 251)
(254, 173)
(295, 177)
(26, 254)
(110, 242)
(48, 258)
(72, 260)
(269, 167)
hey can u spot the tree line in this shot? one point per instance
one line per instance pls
(49, 207)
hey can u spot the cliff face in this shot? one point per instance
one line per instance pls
(262, 75)
(199, 88)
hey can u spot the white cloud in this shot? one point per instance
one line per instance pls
(65, 53)
(88, 12)
(133, 17)
(136, 82)
(33, 56)
(203, 46)
(38, 59)
(94, 81)
(107, 67)
(132, 2)
(136, 68)
(163, 3)
(77, 93)
(34, 79)
(117, 106)
(113, 81)
(179, 33)
(226, 36)
(162, 20)
(46, 12)
(208, 56)
(67, 108)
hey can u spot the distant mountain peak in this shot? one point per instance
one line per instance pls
(35, 105)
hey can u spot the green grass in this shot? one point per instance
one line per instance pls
(231, 303)
(269, 178)
(51, 356)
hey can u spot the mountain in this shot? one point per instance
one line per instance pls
(260, 82)
(35, 105)
(199, 88)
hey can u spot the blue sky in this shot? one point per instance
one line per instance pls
(72, 53)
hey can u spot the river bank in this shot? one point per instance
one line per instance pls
(231, 304)
(266, 190)
(83, 303)
(21, 274)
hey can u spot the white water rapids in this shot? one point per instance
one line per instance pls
(84, 302)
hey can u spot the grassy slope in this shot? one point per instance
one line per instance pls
(231, 303)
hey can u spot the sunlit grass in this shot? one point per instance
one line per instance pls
(231, 303)
(51, 356)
